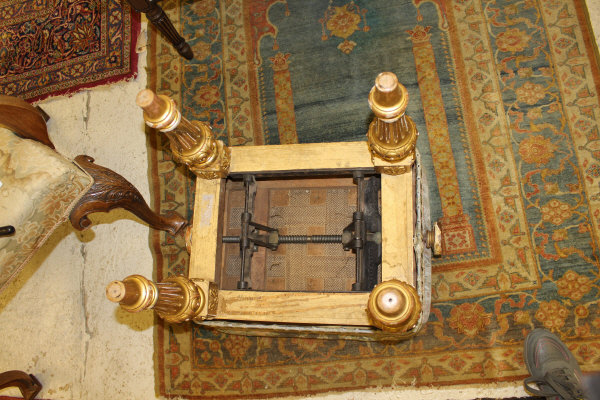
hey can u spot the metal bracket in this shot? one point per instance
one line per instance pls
(363, 234)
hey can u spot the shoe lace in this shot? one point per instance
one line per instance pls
(565, 383)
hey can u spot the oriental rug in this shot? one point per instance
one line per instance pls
(57, 47)
(505, 96)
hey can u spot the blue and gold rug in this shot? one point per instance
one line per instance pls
(505, 96)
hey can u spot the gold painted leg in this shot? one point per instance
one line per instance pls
(176, 300)
(394, 306)
(192, 142)
(392, 135)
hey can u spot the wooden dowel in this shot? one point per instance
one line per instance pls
(152, 104)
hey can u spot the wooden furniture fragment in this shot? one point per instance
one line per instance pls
(18, 119)
(110, 190)
(23, 119)
(161, 21)
(394, 309)
(27, 383)
(41, 189)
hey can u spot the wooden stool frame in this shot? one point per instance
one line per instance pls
(395, 309)
(403, 254)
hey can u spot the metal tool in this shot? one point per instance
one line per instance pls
(362, 235)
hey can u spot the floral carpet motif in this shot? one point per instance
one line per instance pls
(505, 96)
(58, 47)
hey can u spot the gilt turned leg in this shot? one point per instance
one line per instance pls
(157, 16)
(110, 190)
(177, 299)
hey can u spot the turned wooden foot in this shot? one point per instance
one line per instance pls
(27, 384)
(394, 306)
(157, 16)
(110, 190)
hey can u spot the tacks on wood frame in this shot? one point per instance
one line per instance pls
(387, 230)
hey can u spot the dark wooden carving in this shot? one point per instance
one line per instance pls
(157, 16)
(27, 384)
(23, 119)
(7, 230)
(110, 190)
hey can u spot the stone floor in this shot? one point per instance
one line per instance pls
(55, 321)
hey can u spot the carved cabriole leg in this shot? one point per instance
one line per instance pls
(392, 135)
(110, 190)
(192, 142)
(157, 16)
(176, 300)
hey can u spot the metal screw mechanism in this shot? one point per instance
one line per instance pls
(360, 229)
(296, 239)
(354, 237)
(244, 240)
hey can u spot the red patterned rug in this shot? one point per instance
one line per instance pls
(58, 47)
(505, 96)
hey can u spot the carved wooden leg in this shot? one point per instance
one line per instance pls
(157, 16)
(177, 299)
(27, 384)
(110, 190)
(192, 142)
(392, 135)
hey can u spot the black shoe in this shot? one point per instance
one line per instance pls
(552, 367)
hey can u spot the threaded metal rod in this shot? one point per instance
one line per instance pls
(295, 239)
(310, 239)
